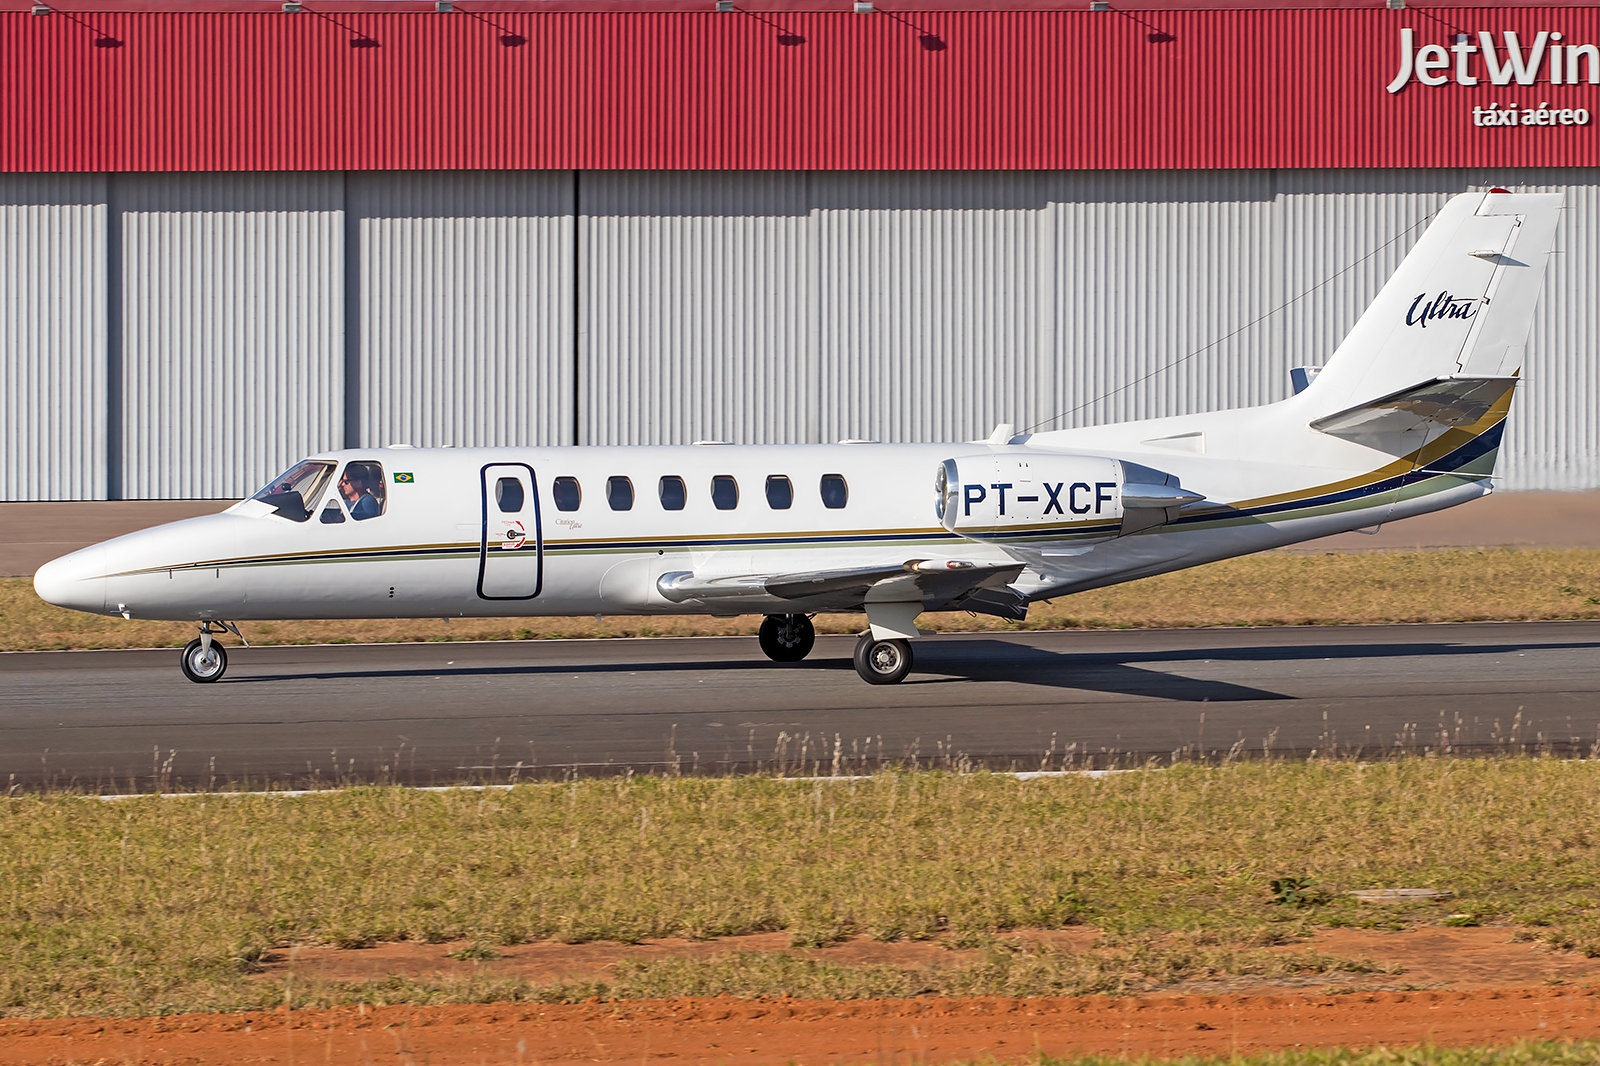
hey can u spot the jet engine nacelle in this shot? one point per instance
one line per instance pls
(997, 493)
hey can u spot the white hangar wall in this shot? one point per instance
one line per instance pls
(230, 331)
(462, 308)
(53, 405)
(186, 335)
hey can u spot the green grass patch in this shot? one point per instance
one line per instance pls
(1271, 589)
(167, 904)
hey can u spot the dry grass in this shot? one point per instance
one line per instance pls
(1270, 589)
(167, 904)
(1007, 968)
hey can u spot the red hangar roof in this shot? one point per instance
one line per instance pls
(675, 84)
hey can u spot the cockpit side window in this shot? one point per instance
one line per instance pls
(294, 492)
(363, 489)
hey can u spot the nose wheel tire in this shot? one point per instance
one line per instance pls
(204, 665)
(882, 662)
(787, 638)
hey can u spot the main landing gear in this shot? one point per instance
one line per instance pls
(787, 638)
(882, 662)
(204, 660)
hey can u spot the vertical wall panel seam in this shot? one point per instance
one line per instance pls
(579, 290)
(354, 432)
(115, 379)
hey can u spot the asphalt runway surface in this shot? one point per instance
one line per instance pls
(449, 713)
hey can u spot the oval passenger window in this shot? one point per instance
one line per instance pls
(619, 493)
(566, 493)
(673, 494)
(508, 495)
(780, 493)
(835, 493)
(724, 492)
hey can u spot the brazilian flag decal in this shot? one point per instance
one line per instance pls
(404, 478)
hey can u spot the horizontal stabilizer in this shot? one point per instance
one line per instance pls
(1400, 424)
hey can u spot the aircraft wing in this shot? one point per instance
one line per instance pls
(937, 584)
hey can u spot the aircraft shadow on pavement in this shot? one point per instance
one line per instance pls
(992, 660)
(1001, 660)
(1118, 672)
(333, 673)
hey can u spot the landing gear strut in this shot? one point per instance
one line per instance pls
(787, 638)
(882, 662)
(204, 660)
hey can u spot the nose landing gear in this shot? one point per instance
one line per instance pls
(787, 638)
(204, 660)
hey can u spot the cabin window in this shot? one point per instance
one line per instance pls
(566, 493)
(294, 492)
(363, 489)
(508, 495)
(835, 493)
(673, 494)
(724, 492)
(780, 493)
(619, 493)
(332, 513)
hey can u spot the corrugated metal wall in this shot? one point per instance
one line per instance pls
(1554, 438)
(930, 293)
(492, 87)
(696, 305)
(232, 326)
(1156, 275)
(253, 318)
(52, 336)
(466, 307)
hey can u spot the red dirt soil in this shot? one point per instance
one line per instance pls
(928, 1029)
(734, 1031)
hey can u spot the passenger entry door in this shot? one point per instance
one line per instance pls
(511, 548)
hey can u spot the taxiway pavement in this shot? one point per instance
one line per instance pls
(446, 713)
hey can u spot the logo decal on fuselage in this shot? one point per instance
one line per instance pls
(1444, 305)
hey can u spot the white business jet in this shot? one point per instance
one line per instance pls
(1405, 418)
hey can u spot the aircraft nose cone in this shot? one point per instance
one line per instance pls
(76, 581)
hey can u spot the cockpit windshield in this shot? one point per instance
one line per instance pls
(293, 492)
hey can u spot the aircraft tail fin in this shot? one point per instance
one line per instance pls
(1460, 306)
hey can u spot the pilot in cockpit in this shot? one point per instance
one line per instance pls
(358, 493)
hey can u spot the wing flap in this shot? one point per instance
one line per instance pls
(916, 579)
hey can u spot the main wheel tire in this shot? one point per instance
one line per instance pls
(203, 667)
(787, 638)
(882, 662)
